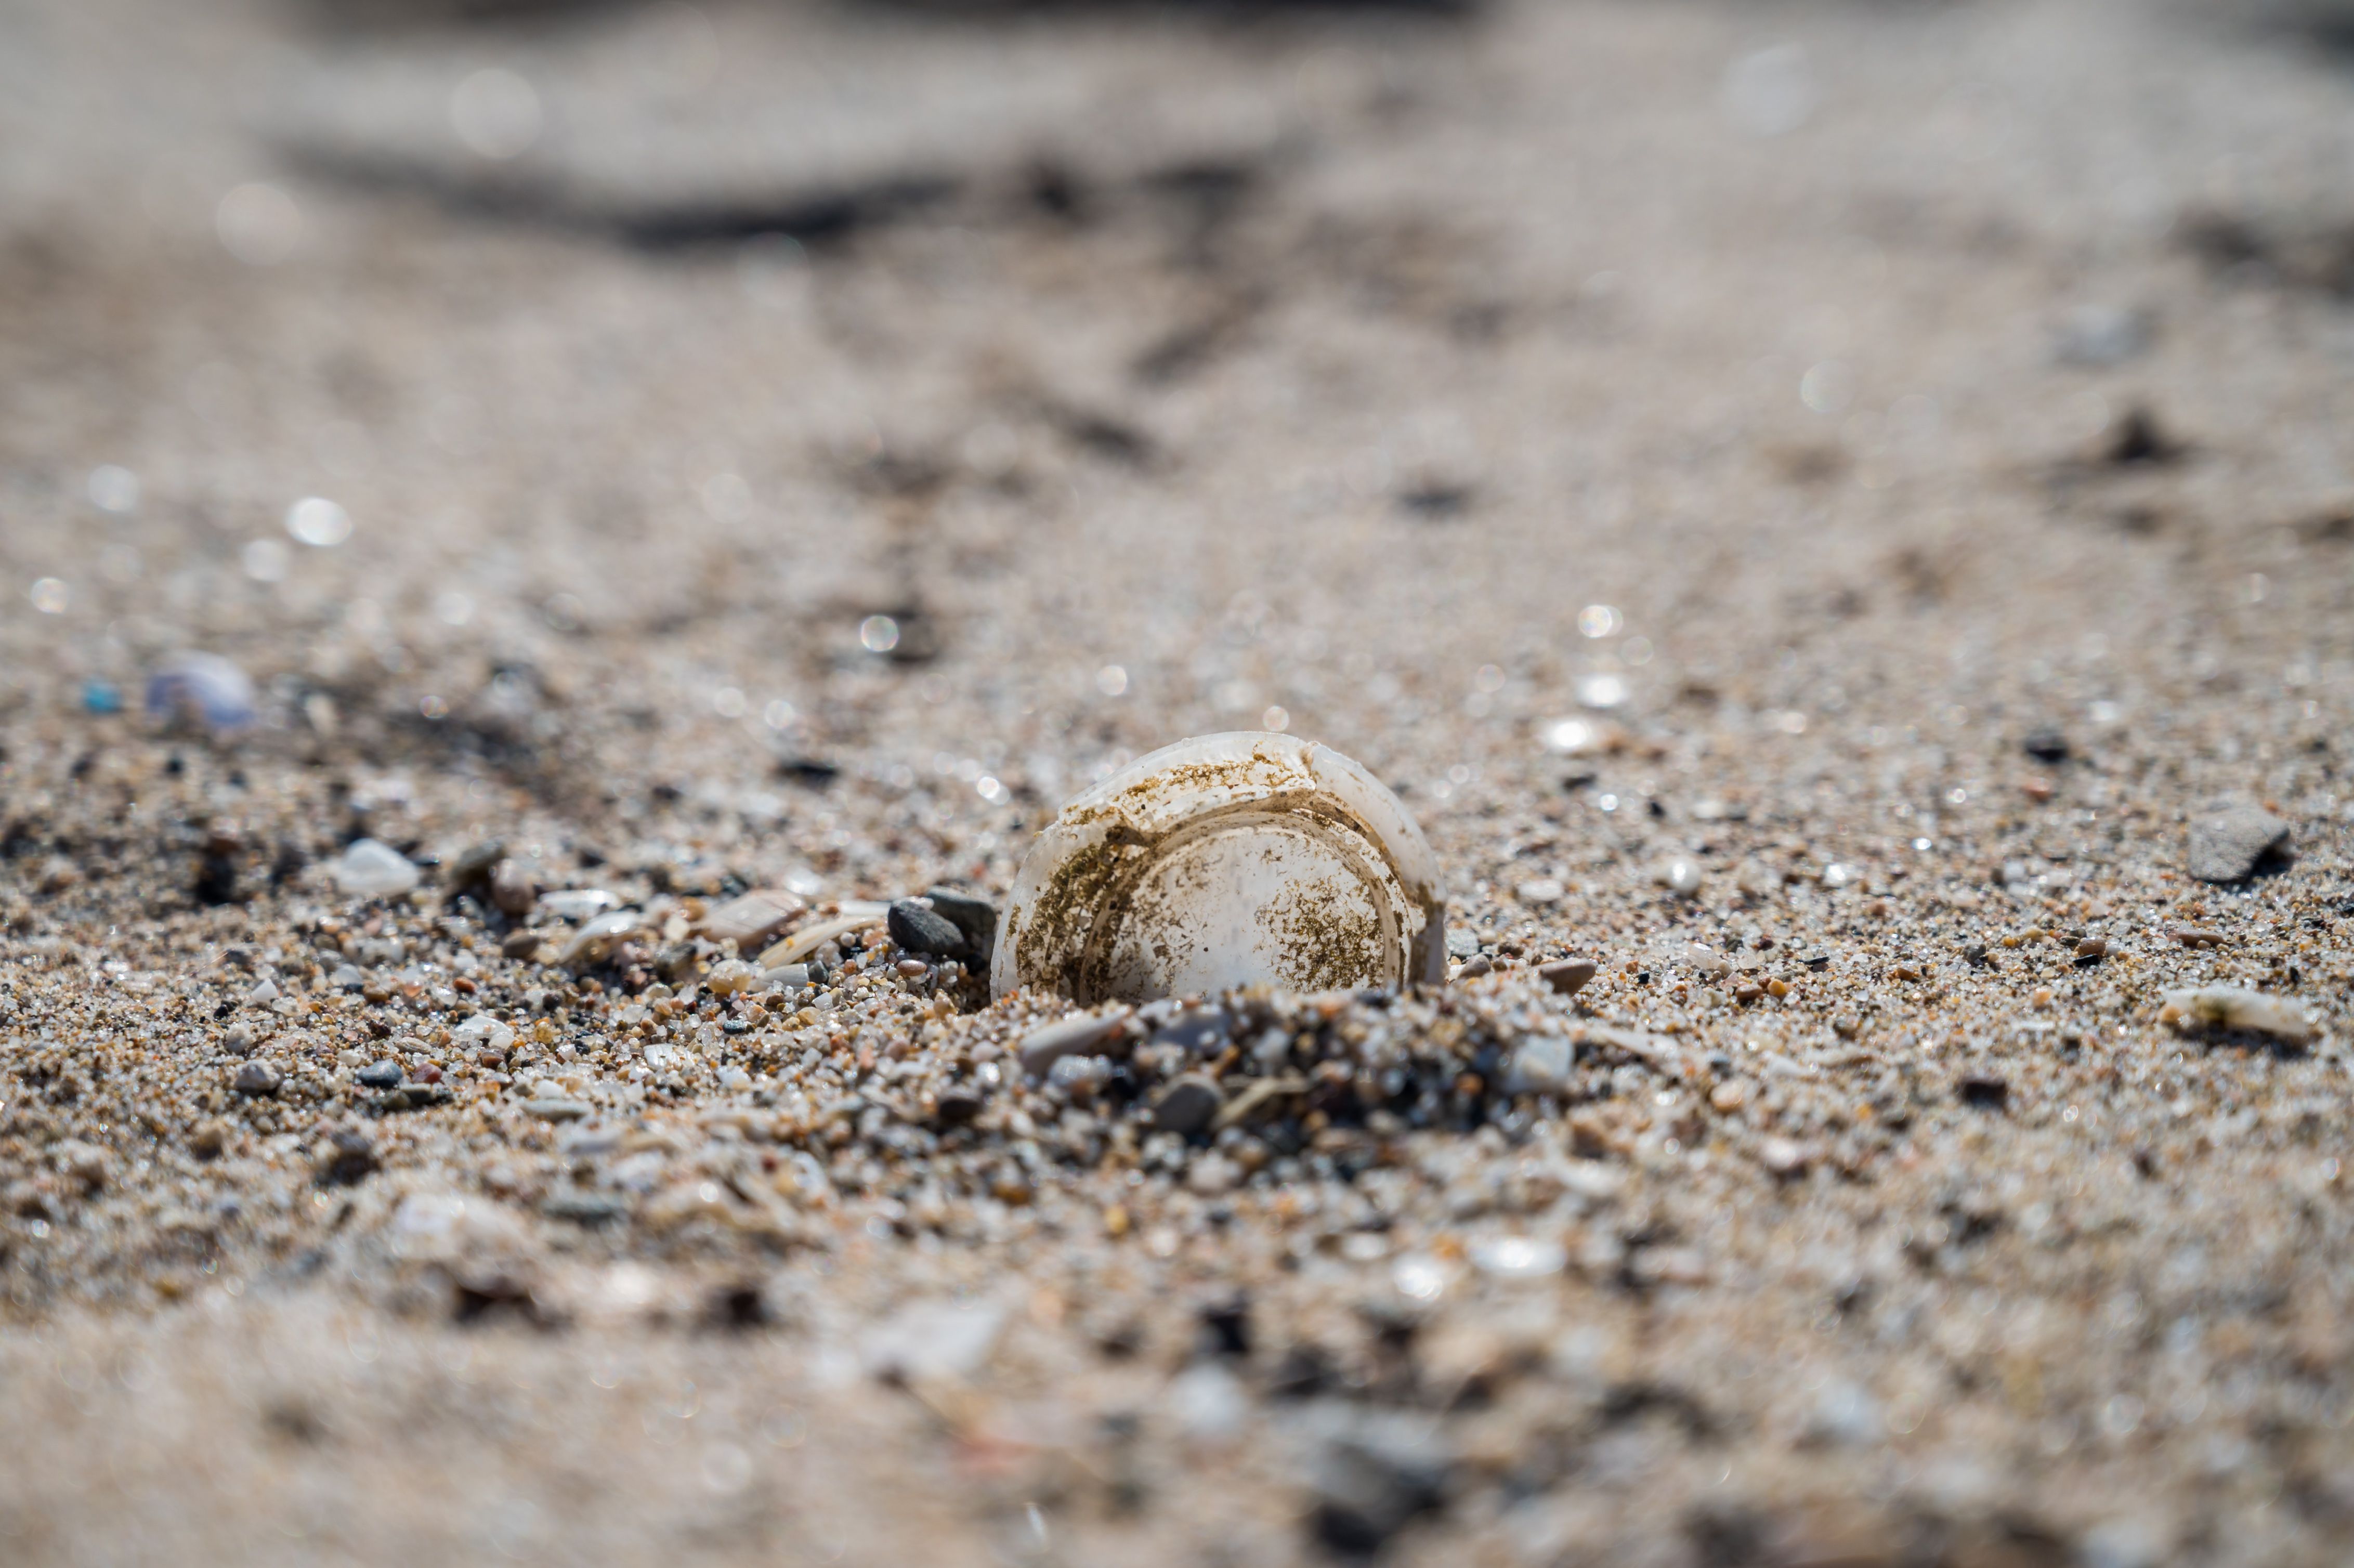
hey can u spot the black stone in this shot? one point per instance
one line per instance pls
(585, 1208)
(976, 917)
(1986, 1094)
(2046, 744)
(349, 1159)
(920, 930)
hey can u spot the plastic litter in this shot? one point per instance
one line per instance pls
(1223, 861)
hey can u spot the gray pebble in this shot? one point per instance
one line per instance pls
(917, 929)
(347, 1158)
(585, 1208)
(976, 917)
(1462, 944)
(558, 1110)
(1568, 976)
(1200, 1031)
(1083, 1035)
(379, 1076)
(1187, 1106)
(256, 1078)
(2227, 845)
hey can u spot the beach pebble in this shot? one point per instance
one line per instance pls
(2237, 1007)
(2046, 744)
(1083, 1034)
(1201, 1030)
(1187, 1106)
(482, 1033)
(256, 1079)
(512, 888)
(347, 1157)
(585, 1208)
(577, 903)
(1539, 1064)
(918, 929)
(368, 869)
(1519, 1257)
(2226, 845)
(730, 976)
(593, 941)
(1680, 876)
(975, 918)
(751, 920)
(379, 1076)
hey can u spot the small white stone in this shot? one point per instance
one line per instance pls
(482, 1032)
(1539, 1064)
(2237, 1007)
(1519, 1257)
(367, 869)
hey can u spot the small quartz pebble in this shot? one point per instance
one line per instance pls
(482, 1033)
(730, 976)
(2237, 1007)
(256, 1079)
(1680, 876)
(593, 941)
(1081, 1035)
(2227, 845)
(918, 929)
(1568, 976)
(368, 869)
(577, 903)
(2197, 935)
(1539, 1064)
(1189, 1104)
(558, 1110)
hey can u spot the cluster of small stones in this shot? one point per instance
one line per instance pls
(1880, 1089)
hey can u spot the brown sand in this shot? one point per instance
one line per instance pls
(1907, 379)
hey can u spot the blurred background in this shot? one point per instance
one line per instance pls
(1025, 384)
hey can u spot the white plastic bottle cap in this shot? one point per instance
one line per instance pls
(1223, 861)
